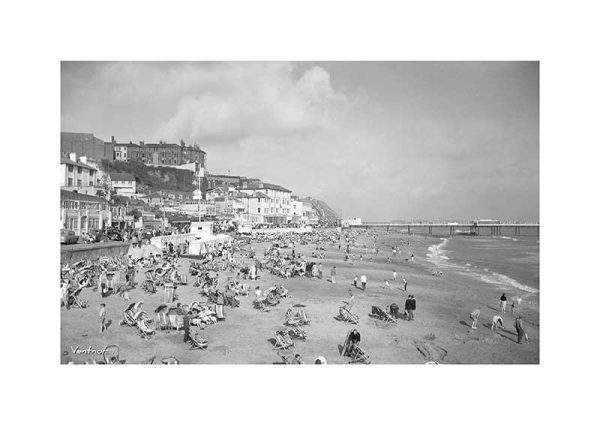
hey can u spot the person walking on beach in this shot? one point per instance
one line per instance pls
(355, 281)
(102, 317)
(410, 305)
(394, 275)
(503, 303)
(474, 317)
(320, 269)
(405, 283)
(363, 282)
(186, 327)
(333, 273)
(520, 330)
(497, 322)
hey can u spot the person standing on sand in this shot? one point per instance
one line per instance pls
(405, 284)
(503, 303)
(320, 269)
(333, 273)
(474, 317)
(355, 281)
(257, 292)
(186, 327)
(102, 317)
(394, 275)
(363, 282)
(410, 305)
(520, 330)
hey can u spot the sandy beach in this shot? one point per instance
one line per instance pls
(441, 331)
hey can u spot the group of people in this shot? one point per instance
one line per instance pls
(498, 322)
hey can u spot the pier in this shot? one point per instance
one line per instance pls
(467, 228)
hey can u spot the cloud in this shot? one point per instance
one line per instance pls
(259, 101)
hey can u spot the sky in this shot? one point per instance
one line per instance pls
(376, 140)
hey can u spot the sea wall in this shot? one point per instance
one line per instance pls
(73, 253)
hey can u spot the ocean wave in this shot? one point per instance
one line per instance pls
(438, 256)
(508, 238)
(503, 280)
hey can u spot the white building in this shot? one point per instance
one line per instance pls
(297, 211)
(78, 176)
(347, 222)
(121, 152)
(123, 183)
(275, 206)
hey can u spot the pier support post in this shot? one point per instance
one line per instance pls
(409, 230)
(430, 230)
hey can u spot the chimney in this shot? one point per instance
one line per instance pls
(182, 143)
(112, 139)
(73, 156)
(83, 159)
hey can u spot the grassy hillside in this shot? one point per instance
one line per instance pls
(153, 178)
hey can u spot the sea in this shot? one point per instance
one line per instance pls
(511, 263)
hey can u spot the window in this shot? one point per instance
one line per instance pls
(259, 210)
(70, 167)
(70, 182)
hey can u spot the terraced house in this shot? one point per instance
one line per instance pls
(82, 213)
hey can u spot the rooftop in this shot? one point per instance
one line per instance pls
(76, 164)
(258, 186)
(66, 195)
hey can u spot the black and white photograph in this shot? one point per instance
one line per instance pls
(302, 213)
(294, 213)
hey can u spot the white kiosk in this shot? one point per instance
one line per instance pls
(205, 241)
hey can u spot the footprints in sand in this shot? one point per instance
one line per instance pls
(430, 350)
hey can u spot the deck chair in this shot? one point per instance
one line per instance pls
(175, 322)
(378, 313)
(296, 332)
(128, 319)
(394, 311)
(283, 340)
(111, 355)
(162, 322)
(356, 353)
(261, 304)
(198, 342)
(150, 283)
(292, 318)
(304, 317)
(145, 330)
(346, 316)
(75, 301)
(286, 356)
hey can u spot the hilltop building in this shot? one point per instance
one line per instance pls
(85, 144)
(123, 184)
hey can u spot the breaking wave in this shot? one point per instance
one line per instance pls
(438, 255)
